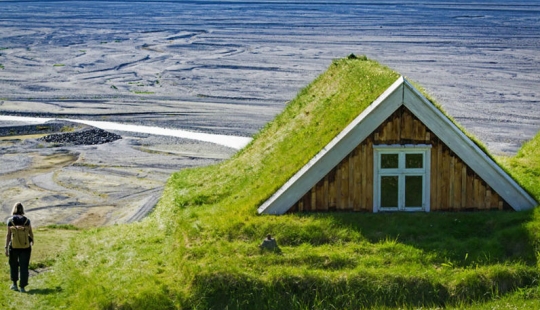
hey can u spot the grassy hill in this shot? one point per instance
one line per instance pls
(198, 249)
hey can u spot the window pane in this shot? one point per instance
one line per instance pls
(389, 161)
(414, 161)
(413, 191)
(389, 191)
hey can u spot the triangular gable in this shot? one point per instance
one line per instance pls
(400, 93)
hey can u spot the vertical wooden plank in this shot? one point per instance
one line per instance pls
(325, 194)
(338, 186)
(457, 183)
(350, 196)
(398, 124)
(482, 194)
(414, 129)
(410, 127)
(345, 184)
(446, 179)
(463, 185)
(452, 185)
(476, 192)
(357, 178)
(369, 174)
(487, 203)
(470, 189)
(390, 129)
(395, 130)
(318, 196)
(364, 174)
(332, 188)
(421, 132)
(441, 181)
(434, 178)
(406, 125)
(382, 134)
(390, 132)
(450, 180)
(402, 119)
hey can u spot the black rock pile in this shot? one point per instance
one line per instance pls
(83, 137)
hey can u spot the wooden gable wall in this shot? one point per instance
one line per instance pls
(349, 185)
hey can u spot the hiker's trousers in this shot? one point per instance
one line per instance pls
(19, 259)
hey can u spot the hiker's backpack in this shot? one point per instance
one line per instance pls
(19, 235)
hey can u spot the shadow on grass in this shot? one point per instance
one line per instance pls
(44, 291)
(481, 238)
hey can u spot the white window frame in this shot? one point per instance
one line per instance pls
(401, 172)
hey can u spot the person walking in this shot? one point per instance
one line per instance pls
(19, 241)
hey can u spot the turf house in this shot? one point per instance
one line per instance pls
(402, 153)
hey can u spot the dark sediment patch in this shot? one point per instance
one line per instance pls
(88, 136)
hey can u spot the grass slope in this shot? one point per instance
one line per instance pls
(51, 242)
(198, 249)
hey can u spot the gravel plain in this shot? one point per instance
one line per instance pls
(94, 179)
(228, 67)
